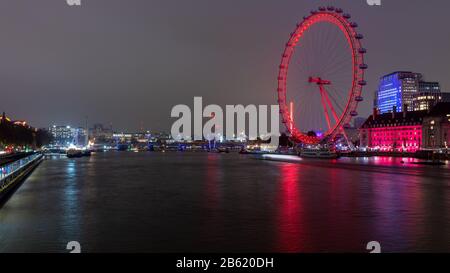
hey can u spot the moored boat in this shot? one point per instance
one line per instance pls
(318, 153)
(74, 153)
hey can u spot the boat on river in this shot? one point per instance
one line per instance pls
(74, 153)
(318, 153)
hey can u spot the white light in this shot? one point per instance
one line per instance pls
(281, 157)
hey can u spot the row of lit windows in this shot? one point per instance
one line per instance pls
(396, 134)
(395, 139)
(392, 125)
(404, 128)
(383, 144)
(425, 98)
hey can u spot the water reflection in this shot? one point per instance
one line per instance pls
(290, 225)
(213, 227)
(178, 202)
(70, 201)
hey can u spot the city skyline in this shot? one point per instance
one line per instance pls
(200, 132)
(130, 72)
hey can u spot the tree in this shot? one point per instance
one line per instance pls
(19, 135)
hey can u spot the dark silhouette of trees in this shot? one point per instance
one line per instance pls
(43, 137)
(19, 135)
(285, 141)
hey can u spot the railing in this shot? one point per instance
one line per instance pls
(9, 172)
(6, 159)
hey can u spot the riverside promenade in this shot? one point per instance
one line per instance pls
(14, 173)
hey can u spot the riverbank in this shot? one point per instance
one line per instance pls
(14, 174)
(376, 164)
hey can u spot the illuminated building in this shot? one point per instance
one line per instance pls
(393, 132)
(4, 118)
(80, 136)
(429, 87)
(436, 127)
(21, 123)
(100, 134)
(407, 131)
(428, 96)
(67, 135)
(396, 90)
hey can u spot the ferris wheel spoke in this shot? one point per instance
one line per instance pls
(340, 108)
(336, 58)
(338, 68)
(333, 55)
(337, 64)
(301, 68)
(330, 49)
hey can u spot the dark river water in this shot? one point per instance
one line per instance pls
(205, 202)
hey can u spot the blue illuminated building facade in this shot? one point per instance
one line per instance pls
(397, 90)
(66, 136)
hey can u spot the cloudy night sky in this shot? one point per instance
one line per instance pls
(128, 62)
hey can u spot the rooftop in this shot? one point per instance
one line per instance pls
(399, 118)
(413, 117)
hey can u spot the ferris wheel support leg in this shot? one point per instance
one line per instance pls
(330, 104)
(349, 143)
(325, 109)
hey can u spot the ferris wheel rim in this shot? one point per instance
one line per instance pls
(341, 20)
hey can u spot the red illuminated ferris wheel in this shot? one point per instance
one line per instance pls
(321, 76)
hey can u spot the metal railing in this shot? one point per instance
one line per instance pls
(11, 171)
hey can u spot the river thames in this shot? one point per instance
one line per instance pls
(208, 202)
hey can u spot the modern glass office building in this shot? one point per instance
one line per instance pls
(428, 96)
(397, 90)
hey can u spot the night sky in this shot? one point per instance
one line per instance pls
(128, 62)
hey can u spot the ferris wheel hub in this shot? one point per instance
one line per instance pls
(319, 81)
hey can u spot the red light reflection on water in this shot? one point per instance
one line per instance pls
(290, 233)
(213, 227)
(212, 181)
(391, 161)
